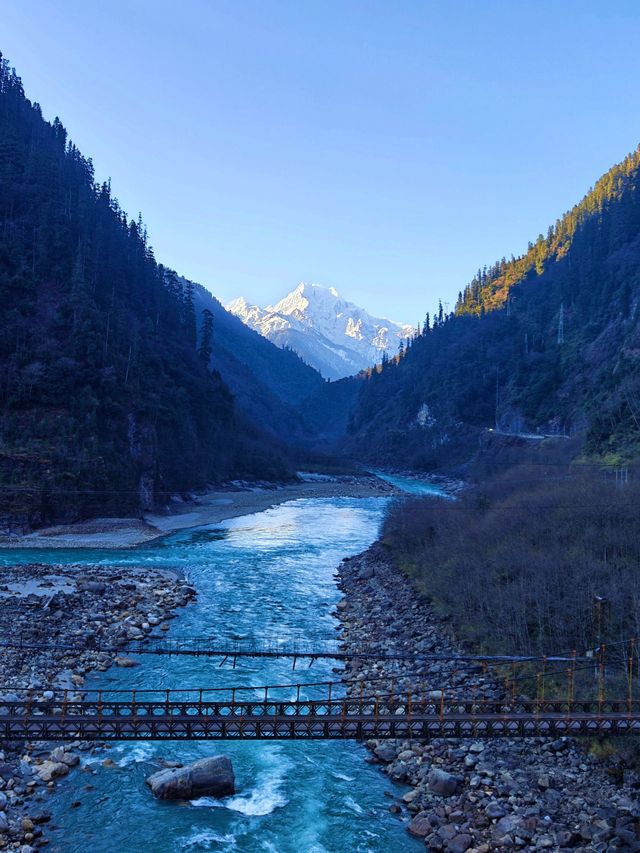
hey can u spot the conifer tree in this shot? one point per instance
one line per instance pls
(206, 336)
(190, 314)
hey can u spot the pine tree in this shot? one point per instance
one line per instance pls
(206, 336)
(190, 314)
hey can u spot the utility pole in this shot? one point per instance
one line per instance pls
(599, 603)
(497, 394)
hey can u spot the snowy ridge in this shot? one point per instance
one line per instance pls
(335, 336)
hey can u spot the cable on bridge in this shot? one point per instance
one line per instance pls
(202, 647)
(541, 695)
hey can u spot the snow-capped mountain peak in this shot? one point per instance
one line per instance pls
(333, 335)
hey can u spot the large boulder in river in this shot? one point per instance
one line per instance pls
(209, 777)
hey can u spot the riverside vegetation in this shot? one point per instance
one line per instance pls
(526, 794)
(519, 561)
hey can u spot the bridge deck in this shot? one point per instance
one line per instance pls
(335, 719)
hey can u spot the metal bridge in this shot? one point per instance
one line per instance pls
(211, 715)
(406, 708)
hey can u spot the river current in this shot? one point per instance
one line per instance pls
(260, 578)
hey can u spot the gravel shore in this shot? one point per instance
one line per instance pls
(195, 511)
(81, 606)
(477, 796)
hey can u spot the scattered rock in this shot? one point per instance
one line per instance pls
(50, 770)
(460, 843)
(442, 783)
(421, 825)
(88, 618)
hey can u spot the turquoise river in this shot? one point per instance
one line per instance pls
(260, 578)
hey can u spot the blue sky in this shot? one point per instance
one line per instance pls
(387, 149)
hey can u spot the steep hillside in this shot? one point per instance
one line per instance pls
(106, 401)
(267, 382)
(548, 342)
(335, 336)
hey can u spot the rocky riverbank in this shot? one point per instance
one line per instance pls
(194, 510)
(521, 794)
(85, 608)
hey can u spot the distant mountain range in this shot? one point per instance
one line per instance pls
(335, 336)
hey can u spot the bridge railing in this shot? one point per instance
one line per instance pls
(229, 702)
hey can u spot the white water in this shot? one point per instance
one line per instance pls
(260, 577)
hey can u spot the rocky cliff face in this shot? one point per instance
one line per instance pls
(335, 336)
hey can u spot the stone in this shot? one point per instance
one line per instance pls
(366, 573)
(442, 783)
(421, 825)
(460, 843)
(212, 777)
(68, 758)
(385, 752)
(506, 825)
(4, 823)
(627, 836)
(448, 832)
(50, 770)
(494, 809)
(123, 661)
(96, 587)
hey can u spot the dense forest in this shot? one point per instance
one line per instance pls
(107, 399)
(549, 342)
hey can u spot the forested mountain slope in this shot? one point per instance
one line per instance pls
(549, 341)
(267, 381)
(106, 401)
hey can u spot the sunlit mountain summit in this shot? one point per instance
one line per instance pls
(333, 335)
